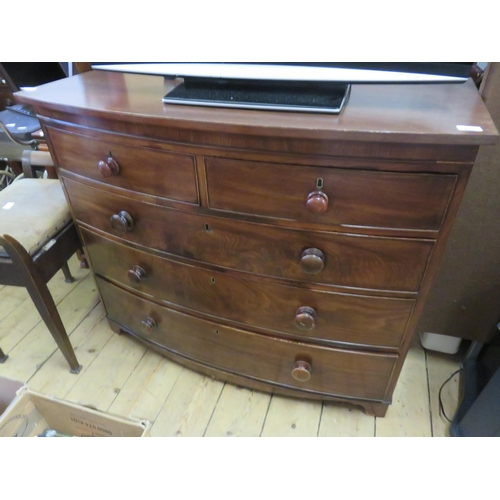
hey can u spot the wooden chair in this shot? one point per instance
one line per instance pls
(37, 237)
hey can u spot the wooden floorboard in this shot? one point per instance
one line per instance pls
(189, 406)
(149, 385)
(122, 376)
(441, 367)
(342, 420)
(239, 412)
(289, 417)
(409, 413)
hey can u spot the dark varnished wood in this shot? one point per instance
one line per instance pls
(350, 260)
(305, 318)
(247, 300)
(21, 270)
(359, 198)
(374, 408)
(312, 261)
(122, 222)
(155, 172)
(108, 167)
(358, 374)
(136, 275)
(417, 114)
(317, 202)
(368, 195)
(301, 371)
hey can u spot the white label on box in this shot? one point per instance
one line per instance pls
(469, 128)
(8, 206)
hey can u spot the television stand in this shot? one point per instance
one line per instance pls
(264, 95)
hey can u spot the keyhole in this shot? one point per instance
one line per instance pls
(212, 280)
(207, 228)
(319, 183)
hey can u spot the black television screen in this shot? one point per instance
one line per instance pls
(359, 72)
(318, 87)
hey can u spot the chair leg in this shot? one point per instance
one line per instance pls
(45, 305)
(68, 278)
(30, 277)
(3, 356)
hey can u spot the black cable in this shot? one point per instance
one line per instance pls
(441, 408)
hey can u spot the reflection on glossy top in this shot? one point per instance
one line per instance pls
(389, 113)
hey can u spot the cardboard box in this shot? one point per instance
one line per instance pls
(8, 390)
(31, 413)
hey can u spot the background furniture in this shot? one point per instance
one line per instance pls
(464, 300)
(285, 252)
(479, 412)
(7, 89)
(37, 237)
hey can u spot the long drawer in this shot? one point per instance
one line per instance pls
(303, 313)
(349, 197)
(106, 159)
(365, 262)
(286, 363)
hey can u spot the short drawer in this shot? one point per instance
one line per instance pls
(307, 256)
(303, 313)
(349, 197)
(286, 363)
(104, 158)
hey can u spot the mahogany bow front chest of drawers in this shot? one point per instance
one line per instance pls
(284, 252)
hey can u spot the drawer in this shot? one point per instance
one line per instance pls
(308, 256)
(300, 312)
(358, 198)
(319, 369)
(139, 169)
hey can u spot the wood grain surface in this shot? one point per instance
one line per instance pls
(335, 372)
(351, 260)
(344, 318)
(360, 198)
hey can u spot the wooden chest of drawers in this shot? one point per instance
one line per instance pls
(285, 252)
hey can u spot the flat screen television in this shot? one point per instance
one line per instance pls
(322, 87)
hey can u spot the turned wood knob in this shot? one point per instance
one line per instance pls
(317, 202)
(108, 167)
(149, 323)
(305, 318)
(301, 371)
(136, 275)
(122, 222)
(312, 261)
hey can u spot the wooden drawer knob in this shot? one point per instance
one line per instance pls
(108, 167)
(122, 222)
(305, 318)
(301, 371)
(312, 261)
(149, 323)
(317, 202)
(136, 275)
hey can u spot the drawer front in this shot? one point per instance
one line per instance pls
(139, 169)
(332, 371)
(360, 198)
(344, 260)
(303, 313)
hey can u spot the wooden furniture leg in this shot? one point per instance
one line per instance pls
(83, 260)
(68, 278)
(25, 270)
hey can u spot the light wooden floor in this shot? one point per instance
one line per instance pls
(122, 376)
